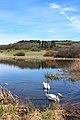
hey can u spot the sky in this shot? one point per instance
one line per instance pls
(39, 19)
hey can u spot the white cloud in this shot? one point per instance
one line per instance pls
(54, 6)
(74, 20)
(69, 9)
(64, 9)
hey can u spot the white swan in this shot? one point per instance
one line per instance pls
(55, 98)
(46, 85)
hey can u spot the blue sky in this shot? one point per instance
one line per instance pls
(39, 19)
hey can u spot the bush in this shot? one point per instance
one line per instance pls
(19, 54)
(71, 52)
(50, 53)
(1, 51)
(8, 50)
(35, 49)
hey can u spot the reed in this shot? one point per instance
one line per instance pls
(75, 66)
(52, 76)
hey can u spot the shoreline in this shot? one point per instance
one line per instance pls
(33, 58)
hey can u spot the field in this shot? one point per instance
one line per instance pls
(27, 52)
(29, 55)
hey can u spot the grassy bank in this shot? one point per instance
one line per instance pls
(25, 112)
(10, 112)
(29, 55)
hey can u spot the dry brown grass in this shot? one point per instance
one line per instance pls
(75, 66)
(53, 115)
(12, 109)
(50, 53)
(35, 115)
(72, 111)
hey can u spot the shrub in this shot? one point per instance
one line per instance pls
(1, 51)
(71, 52)
(19, 54)
(8, 50)
(35, 49)
(50, 53)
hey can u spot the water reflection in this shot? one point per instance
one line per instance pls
(27, 82)
(38, 64)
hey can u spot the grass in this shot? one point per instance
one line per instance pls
(50, 53)
(10, 112)
(48, 115)
(75, 66)
(27, 52)
(52, 76)
(53, 113)
(57, 112)
(75, 71)
(1, 110)
(29, 55)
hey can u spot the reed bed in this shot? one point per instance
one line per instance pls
(75, 66)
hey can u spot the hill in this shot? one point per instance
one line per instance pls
(37, 44)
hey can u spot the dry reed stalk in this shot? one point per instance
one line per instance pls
(75, 66)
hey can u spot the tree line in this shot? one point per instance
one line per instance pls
(35, 44)
(31, 44)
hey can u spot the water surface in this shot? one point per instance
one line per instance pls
(26, 81)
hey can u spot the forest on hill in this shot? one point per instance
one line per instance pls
(37, 45)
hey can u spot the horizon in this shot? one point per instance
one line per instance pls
(43, 40)
(39, 20)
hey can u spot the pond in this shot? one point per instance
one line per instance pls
(25, 80)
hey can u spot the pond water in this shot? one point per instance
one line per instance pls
(25, 80)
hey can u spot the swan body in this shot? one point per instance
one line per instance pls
(46, 85)
(54, 97)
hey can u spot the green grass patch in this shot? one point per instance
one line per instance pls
(27, 52)
(48, 115)
(52, 76)
(1, 110)
(11, 109)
